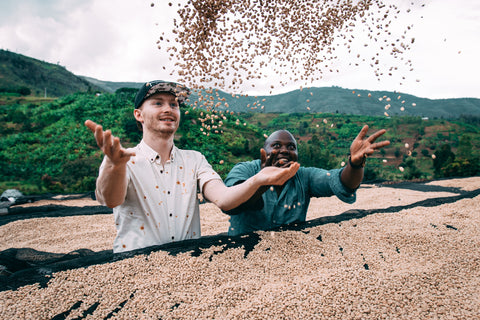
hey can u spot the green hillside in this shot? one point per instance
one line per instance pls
(419, 149)
(39, 78)
(19, 73)
(329, 100)
(45, 147)
(345, 101)
(110, 86)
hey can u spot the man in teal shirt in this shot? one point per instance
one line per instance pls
(271, 207)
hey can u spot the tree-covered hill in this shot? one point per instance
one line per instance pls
(327, 100)
(419, 149)
(25, 75)
(48, 147)
(45, 147)
(346, 101)
(112, 86)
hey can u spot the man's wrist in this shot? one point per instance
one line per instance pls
(357, 166)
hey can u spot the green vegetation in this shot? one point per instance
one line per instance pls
(353, 102)
(24, 75)
(45, 147)
(419, 149)
(21, 74)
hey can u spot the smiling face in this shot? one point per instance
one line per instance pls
(159, 114)
(283, 147)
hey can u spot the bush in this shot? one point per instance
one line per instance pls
(23, 91)
(461, 168)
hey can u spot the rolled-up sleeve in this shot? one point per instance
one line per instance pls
(241, 172)
(324, 183)
(205, 171)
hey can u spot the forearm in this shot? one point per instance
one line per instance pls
(228, 198)
(112, 185)
(254, 203)
(360, 148)
(352, 177)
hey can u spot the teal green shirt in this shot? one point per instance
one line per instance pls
(292, 204)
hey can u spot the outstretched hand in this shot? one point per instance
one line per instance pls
(109, 144)
(277, 176)
(363, 147)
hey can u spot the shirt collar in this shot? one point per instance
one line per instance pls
(152, 155)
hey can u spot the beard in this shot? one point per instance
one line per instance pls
(161, 128)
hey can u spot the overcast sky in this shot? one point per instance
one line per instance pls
(115, 40)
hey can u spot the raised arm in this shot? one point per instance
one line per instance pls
(228, 198)
(112, 181)
(360, 149)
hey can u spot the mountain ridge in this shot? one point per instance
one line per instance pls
(41, 77)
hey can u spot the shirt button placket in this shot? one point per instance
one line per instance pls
(171, 217)
(171, 226)
(170, 201)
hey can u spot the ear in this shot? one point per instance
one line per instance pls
(137, 113)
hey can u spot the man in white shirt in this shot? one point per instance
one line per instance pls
(153, 187)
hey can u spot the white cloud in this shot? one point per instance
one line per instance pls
(116, 41)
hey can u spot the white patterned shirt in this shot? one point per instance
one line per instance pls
(161, 204)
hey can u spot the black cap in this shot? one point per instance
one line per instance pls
(150, 88)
